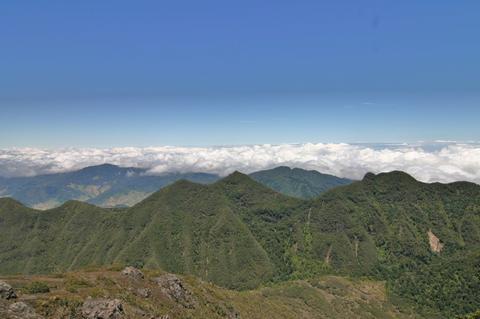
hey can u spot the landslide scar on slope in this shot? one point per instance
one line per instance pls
(435, 245)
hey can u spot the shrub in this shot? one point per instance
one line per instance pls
(72, 284)
(37, 287)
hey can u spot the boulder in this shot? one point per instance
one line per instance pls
(6, 291)
(102, 309)
(143, 292)
(133, 272)
(21, 310)
(174, 288)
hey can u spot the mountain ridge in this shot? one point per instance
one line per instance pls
(108, 185)
(240, 234)
(298, 182)
(104, 185)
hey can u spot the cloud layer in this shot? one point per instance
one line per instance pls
(443, 162)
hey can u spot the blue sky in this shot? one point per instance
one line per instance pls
(118, 73)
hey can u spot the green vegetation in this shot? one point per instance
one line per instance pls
(454, 282)
(73, 283)
(298, 182)
(326, 297)
(112, 186)
(473, 315)
(422, 239)
(36, 287)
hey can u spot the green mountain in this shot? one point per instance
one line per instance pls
(112, 186)
(422, 239)
(298, 182)
(185, 228)
(103, 185)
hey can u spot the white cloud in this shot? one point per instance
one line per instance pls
(441, 162)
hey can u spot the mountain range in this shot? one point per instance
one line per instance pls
(103, 185)
(112, 186)
(423, 240)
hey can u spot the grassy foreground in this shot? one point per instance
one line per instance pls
(322, 297)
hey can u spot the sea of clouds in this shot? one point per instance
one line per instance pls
(437, 162)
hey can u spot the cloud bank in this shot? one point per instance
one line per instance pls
(440, 162)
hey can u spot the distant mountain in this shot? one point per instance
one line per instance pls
(112, 186)
(298, 182)
(422, 239)
(103, 185)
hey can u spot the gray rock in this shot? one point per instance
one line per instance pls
(20, 310)
(6, 291)
(143, 292)
(174, 288)
(102, 309)
(133, 272)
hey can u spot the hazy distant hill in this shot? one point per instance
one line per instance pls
(103, 185)
(112, 186)
(423, 239)
(298, 182)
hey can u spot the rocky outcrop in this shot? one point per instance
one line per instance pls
(6, 291)
(102, 309)
(21, 310)
(174, 288)
(133, 273)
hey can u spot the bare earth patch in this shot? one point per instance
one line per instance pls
(435, 245)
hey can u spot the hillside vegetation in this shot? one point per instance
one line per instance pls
(422, 239)
(298, 182)
(108, 185)
(323, 297)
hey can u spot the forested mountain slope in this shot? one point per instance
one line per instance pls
(423, 239)
(109, 185)
(298, 182)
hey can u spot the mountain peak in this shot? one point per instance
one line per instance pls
(10, 201)
(236, 177)
(75, 204)
(390, 176)
(282, 168)
(369, 176)
(244, 182)
(105, 166)
(182, 183)
(181, 187)
(298, 182)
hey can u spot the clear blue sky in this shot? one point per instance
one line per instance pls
(116, 73)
